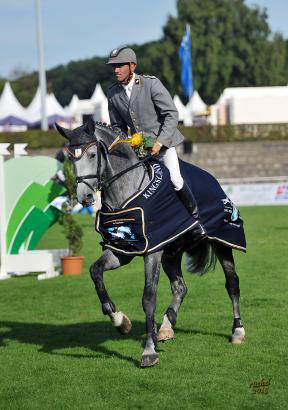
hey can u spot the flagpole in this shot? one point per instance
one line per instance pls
(42, 73)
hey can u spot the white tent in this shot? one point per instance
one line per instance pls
(101, 105)
(73, 106)
(253, 105)
(96, 106)
(184, 115)
(79, 108)
(98, 94)
(12, 113)
(54, 111)
(196, 105)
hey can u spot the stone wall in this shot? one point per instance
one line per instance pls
(230, 160)
(240, 159)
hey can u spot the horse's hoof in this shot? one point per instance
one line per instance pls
(238, 336)
(149, 360)
(165, 334)
(125, 326)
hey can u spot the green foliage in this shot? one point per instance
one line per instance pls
(223, 133)
(231, 46)
(230, 133)
(71, 228)
(34, 138)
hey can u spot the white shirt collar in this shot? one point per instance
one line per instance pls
(129, 86)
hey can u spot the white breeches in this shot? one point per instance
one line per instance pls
(170, 159)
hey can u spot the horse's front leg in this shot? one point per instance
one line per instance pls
(152, 265)
(109, 261)
(225, 257)
(172, 267)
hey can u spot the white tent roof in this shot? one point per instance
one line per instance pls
(53, 108)
(273, 91)
(196, 105)
(73, 106)
(34, 104)
(98, 94)
(97, 106)
(184, 114)
(9, 105)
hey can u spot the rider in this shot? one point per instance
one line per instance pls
(142, 103)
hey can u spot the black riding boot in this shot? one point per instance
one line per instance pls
(187, 197)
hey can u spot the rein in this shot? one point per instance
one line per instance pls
(97, 176)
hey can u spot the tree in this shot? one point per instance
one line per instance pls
(230, 45)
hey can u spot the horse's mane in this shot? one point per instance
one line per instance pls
(107, 134)
(106, 131)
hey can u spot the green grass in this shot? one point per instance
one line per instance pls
(58, 351)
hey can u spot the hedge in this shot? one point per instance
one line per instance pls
(225, 133)
(34, 138)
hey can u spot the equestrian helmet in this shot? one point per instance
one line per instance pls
(122, 55)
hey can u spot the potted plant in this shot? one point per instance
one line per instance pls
(71, 264)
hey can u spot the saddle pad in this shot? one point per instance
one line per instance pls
(156, 216)
(150, 219)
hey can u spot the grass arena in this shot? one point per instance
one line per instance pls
(58, 350)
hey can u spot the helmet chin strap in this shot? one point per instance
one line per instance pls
(128, 78)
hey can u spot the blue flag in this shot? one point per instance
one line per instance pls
(186, 63)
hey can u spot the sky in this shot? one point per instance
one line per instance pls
(75, 30)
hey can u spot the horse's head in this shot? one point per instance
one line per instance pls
(84, 150)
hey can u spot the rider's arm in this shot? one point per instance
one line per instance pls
(116, 120)
(167, 110)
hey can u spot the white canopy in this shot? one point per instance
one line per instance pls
(10, 108)
(196, 105)
(96, 106)
(253, 105)
(54, 111)
(98, 95)
(184, 115)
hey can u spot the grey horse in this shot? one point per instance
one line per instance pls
(119, 174)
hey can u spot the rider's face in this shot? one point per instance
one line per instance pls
(122, 71)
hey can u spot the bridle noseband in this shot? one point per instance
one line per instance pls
(78, 153)
(101, 148)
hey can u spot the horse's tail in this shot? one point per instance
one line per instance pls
(201, 259)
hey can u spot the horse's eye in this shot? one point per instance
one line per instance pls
(92, 155)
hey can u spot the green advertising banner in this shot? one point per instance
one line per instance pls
(29, 192)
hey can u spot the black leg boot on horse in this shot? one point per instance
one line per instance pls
(198, 232)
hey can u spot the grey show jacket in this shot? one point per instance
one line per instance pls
(150, 110)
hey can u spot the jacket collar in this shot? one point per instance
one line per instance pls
(136, 88)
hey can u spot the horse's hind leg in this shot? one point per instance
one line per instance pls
(172, 267)
(109, 261)
(225, 257)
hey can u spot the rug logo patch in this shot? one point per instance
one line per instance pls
(158, 177)
(231, 212)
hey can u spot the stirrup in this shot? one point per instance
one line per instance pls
(198, 232)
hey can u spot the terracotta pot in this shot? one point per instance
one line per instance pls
(71, 265)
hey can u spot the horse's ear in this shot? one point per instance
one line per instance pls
(63, 131)
(90, 126)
